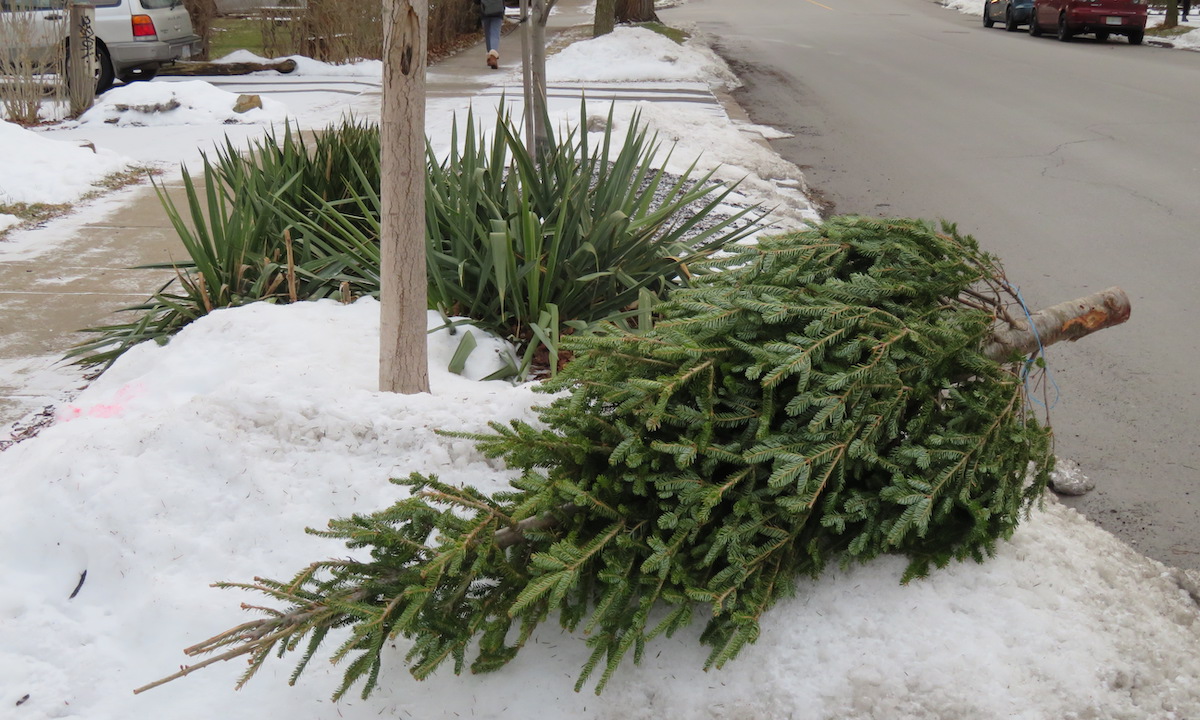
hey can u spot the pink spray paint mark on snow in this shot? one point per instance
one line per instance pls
(102, 410)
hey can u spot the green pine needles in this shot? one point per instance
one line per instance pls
(822, 398)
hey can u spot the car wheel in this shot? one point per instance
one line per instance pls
(1063, 34)
(987, 18)
(1135, 37)
(1034, 28)
(104, 68)
(1102, 36)
(1010, 22)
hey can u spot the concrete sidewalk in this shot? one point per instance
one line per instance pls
(78, 273)
(48, 293)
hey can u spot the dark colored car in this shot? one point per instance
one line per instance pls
(1101, 18)
(1013, 13)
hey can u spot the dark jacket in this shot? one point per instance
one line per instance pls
(490, 8)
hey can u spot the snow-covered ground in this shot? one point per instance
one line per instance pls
(205, 459)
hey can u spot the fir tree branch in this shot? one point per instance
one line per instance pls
(257, 636)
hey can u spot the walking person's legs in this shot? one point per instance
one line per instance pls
(491, 35)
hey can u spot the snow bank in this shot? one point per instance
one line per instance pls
(40, 169)
(629, 54)
(191, 102)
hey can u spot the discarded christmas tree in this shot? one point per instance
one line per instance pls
(820, 397)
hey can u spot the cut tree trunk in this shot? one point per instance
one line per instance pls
(231, 68)
(1064, 321)
(635, 11)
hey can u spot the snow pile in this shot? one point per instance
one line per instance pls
(734, 152)
(192, 102)
(630, 54)
(1191, 39)
(38, 169)
(973, 7)
(204, 460)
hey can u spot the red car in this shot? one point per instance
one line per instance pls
(1098, 17)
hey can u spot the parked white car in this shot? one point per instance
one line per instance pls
(134, 38)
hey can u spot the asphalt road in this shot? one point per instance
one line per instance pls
(1078, 164)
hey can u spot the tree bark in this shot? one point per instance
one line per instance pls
(1064, 321)
(527, 72)
(403, 362)
(606, 17)
(541, 137)
(634, 11)
(81, 58)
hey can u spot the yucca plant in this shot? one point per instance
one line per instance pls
(529, 249)
(232, 263)
(333, 166)
(236, 231)
(533, 247)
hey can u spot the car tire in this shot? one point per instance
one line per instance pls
(1063, 34)
(1135, 37)
(1010, 22)
(987, 19)
(1102, 36)
(1034, 29)
(104, 68)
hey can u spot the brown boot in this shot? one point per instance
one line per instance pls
(493, 59)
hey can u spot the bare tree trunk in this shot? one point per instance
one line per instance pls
(202, 13)
(403, 363)
(1064, 321)
(606, 17)
(81, 58)
(634, 11)
(541, 138)
(527, 73)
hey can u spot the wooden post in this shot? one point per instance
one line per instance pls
(403, 361)
(81, 58)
